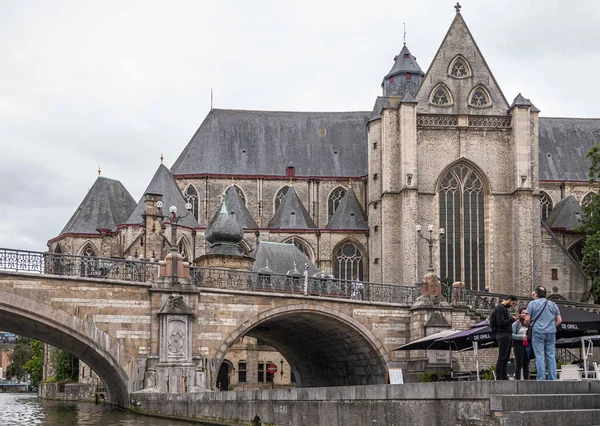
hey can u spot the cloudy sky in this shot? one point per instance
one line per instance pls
(115, 83)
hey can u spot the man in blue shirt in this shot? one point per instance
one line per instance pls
(544, 317)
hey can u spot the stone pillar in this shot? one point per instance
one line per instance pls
(153, 225)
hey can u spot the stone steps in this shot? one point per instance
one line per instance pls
(576, 417)
(539, 402)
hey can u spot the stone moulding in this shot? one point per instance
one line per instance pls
(427, 120)
(489, 122)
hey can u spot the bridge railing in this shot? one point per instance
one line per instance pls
(77, 266)
(298, 284)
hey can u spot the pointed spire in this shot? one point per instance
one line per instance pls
(520, 100)
(235, 207)
(161, 158)
(404, 77)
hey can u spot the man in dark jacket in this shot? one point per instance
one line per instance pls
(501, 322)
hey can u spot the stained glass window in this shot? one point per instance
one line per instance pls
(462, 250)
(440, 97)
(546, 205)
(479, 98)
(348, 263)
(334, 200)
(587, 199)
(459, 69)
(191, 196)
(280, 196)
(183, 251)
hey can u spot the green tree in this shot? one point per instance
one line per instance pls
(27, 360)
(590, 227)
(35, 365)
(66, 365)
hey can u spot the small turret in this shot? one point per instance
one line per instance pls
(404, 77)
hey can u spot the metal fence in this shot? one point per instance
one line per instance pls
(77, 266)
(324, 286)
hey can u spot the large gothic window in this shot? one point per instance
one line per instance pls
(462, 250)
(546, 205)
(348, 262)
(440, 96)
(480, 98)
(334, 200)
(191, 196)
(280, 196)
(587, 199)
(459, 68)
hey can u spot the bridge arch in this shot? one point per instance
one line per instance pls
(324, 347)
(58, 328)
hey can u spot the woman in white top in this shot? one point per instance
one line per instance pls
(520, 343)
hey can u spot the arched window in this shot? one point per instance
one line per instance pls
(546, 205)
(182, 247)
(334, 199)
(240, 194)
(303, 246)
(480, 98)
(576, 250)
(462, 250)
(58, 249)
(587, 199)
(280, 196)
(87, 263)
(459, 67)
(191, 196)
(440, 96)
(88, 251)
(348, 262)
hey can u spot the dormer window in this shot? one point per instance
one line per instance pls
(406, 55)
(459, 68)
(480, 98)
(440, 96)
(408, 76)
(391, 79)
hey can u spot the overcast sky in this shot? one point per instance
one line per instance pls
(115, 83)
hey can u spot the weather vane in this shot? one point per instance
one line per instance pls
(457, 7)
(405, 33)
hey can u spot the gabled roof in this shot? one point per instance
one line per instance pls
(349, 214)
(460, 41)
(403, 63)
(163, 183)
(565, 215)
(521, 101)
(237, 209)
(291, 213)
(281, 258)
(235, 142)
(106, 205)
(564, 143)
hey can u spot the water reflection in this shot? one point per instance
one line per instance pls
(27, 409)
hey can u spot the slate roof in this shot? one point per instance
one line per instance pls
(383, 102)
(564, 142)
(349, 214)
(565, 215)
(281, 257)
(291, 213)
(403, 65)
(237, 208)
(163, 183)
(521, 101)
(106, 205)
(266, 142)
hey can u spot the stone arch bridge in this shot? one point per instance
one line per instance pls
(105, 312)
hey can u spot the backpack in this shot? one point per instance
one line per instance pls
(493, 322)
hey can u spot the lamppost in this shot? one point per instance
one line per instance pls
(431, 241)
(174, 219)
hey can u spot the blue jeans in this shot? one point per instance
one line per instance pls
(544, 347)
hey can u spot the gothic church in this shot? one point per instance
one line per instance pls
(348, 189)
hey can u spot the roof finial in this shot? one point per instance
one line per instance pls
(405, 33)
(99, 171)
(224, 202)
(291, 182)
(349, 183)
(457, 7)
(293, 240)
(161, 158)
(232, 180)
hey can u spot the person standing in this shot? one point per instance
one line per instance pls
(520, 343)
(543, 316)
(501, 322)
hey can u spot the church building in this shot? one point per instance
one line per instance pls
(443, 147)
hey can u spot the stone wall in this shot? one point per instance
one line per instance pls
(67, 391)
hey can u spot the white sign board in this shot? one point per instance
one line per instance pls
(396, 377)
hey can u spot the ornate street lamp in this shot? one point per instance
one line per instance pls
(174, 219)
(430, 241)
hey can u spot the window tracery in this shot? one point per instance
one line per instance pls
(334, 200)
(191, 196)
(280, 196)
(183, 251)
(348, 262)
(462, 215)
(459, 68)
(440, 96)
(587, 199)
(546, 205)
(480, 98)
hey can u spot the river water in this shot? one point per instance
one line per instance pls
(26, 409)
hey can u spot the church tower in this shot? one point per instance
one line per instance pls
(455, 155)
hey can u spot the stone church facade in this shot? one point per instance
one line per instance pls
(442, 147)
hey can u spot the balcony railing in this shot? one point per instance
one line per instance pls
(77, 266)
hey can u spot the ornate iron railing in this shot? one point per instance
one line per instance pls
(77, 266)
(298, 284)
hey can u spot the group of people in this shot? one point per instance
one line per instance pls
(543, 317)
